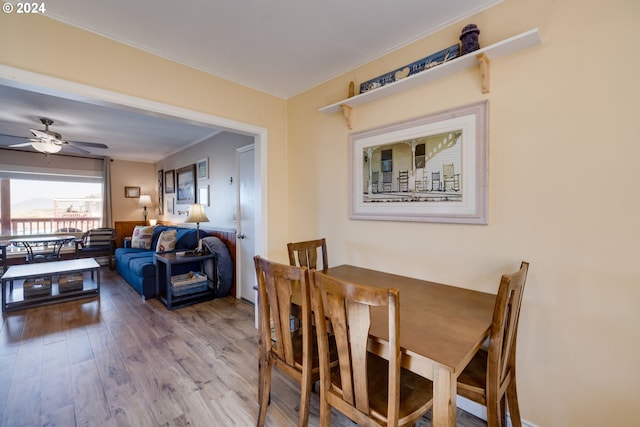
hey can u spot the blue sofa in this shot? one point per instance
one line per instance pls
(137, 266)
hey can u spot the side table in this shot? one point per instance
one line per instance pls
(167, 263)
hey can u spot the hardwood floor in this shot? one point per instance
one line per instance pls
(121, 361)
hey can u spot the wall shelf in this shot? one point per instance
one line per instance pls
(481, 57)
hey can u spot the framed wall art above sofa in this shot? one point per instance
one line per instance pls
(186, 185)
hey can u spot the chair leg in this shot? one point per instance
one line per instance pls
(264, 390)
(325, 409)
(514, 409)
(305, 398)
(494, 413)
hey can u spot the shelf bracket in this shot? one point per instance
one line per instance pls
(485, 75)
(348, 114)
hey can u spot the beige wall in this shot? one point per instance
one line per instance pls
(563, 154)
(131, 174)
(561, 195)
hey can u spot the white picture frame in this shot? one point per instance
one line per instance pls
(203, 195)
(430, 169)
(202, 166)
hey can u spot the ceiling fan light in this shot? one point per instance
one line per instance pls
(46, 147)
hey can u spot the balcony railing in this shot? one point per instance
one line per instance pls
(31, 226)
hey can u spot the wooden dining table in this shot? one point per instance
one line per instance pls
(441, 328)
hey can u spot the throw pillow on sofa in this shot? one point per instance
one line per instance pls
(167, 241)
(142, 235)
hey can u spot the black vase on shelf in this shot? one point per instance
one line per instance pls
(469, 39)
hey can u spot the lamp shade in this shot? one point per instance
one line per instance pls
(196, 214)
(145, 200)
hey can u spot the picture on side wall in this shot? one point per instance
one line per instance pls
(161, 192)
(170, 206)
(431, 169)
(203, 196)
(169, 182)
(203, 169)
(132, 192)
(186, 185)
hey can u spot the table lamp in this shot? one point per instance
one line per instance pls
(197, 215)
(144, 201)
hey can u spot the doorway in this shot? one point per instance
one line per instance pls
(38, 83)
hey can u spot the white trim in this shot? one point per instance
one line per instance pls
(481, 411)
(28, 80)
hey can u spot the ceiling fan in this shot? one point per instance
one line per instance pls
(50, 142)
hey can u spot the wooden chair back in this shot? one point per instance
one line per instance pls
(97, 242)
(280, 345)
(305, 254)
(490, 377)
(366, 388)
(504, 328)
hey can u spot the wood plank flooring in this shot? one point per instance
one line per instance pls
(121, 361)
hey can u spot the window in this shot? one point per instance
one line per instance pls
(31, 182)
(387, 170)
(387, 160)
(420, 156)
(51, 204)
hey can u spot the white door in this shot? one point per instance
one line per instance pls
(246, 243)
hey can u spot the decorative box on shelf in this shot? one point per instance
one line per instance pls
(37, 287)
(415, 67)
(184, 284)
(70, 282)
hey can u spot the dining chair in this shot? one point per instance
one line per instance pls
(368, 389)
(291, 350)
(3, 257)
(305, 254)
(491, 374)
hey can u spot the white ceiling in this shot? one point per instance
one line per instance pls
(281, 47)
(129, 134)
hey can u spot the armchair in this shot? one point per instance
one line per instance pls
(97, 242)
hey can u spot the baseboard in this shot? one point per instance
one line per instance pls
(481, 412)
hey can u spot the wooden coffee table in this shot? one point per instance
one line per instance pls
(16, 300)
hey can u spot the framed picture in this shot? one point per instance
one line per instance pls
(169, 182)
(170, 206)
(160, 192)
(186, 184)
(203, 195)
(203, 168)
(131, 192)
(431, 169)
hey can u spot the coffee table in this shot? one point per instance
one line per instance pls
(16, 300)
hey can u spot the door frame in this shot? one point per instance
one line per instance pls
(22, 79)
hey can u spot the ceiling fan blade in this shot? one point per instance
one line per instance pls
(4, 135)
(22, 144)
(74, 149)
(87, 144)
(40, 134)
